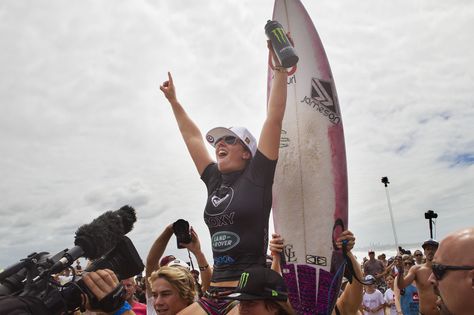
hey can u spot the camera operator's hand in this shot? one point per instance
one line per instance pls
(195, 245)
(109, 294)
(101, 282)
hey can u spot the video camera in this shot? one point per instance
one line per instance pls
(430, 214)
(29, 284)
(403, 251)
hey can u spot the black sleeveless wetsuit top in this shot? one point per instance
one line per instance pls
(237, 212)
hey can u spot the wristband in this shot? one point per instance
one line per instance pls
(111, 302)
(280, 69)
(125, 307)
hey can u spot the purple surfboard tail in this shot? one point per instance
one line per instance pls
(327, 292)
(289, 274)
(302, 282)
(307, 285)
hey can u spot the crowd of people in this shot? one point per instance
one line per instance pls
(410, 284)
(391, 283)
(422, 282)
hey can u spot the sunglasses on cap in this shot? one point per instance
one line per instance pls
(439, 270)
(228, 140)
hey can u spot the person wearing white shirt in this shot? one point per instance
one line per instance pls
(373, 302)
(389, 296)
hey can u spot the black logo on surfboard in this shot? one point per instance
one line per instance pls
(322, 92)
(284, 140)
(323, 99)
(316, 260)
(290, 254)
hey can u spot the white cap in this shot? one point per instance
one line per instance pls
(240, 132)
(179, 263)
(369, 279)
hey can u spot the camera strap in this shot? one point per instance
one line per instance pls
(348, 262)
(111, 302)
(190, 260)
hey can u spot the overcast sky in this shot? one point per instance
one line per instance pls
(84, 127)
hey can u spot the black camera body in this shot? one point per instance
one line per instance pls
(430, 214)
(181, 230)
(29, 285)
(404, 251)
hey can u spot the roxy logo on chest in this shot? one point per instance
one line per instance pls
(220, 201)
(216, 201)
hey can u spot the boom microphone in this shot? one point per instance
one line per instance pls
(98, 237)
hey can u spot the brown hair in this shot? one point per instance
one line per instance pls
(180, 278)
(283, 308)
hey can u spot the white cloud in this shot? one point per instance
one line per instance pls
(84, 127)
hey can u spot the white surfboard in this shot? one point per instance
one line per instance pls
(310, 188)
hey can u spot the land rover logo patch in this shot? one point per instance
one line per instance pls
(224, 240)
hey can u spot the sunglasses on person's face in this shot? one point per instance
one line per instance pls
(228, 140)
(418, 255)
(439, 270)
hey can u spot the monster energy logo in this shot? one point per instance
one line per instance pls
(274, 293)
(279, 34)
(244, 278)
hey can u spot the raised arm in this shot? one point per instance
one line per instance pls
(189, 131)
(396, 292)
(205, 270)
(404, 281)
(276, 248)
(351, 299)
(388, 269)
(269, 142)
(155, 253)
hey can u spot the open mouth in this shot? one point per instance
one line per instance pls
(222, 153)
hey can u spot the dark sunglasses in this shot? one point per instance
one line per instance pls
(418, 254)
(439, 270)
(228, 139)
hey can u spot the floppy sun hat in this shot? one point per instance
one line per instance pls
(215, 134)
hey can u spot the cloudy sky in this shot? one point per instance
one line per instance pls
(84, 127)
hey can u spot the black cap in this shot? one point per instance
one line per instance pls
(431, 242)
(260, 283)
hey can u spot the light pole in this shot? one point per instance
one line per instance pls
(386, 182)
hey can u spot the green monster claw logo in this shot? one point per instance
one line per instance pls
(244, 278)
(279, 34)
(274, 293)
